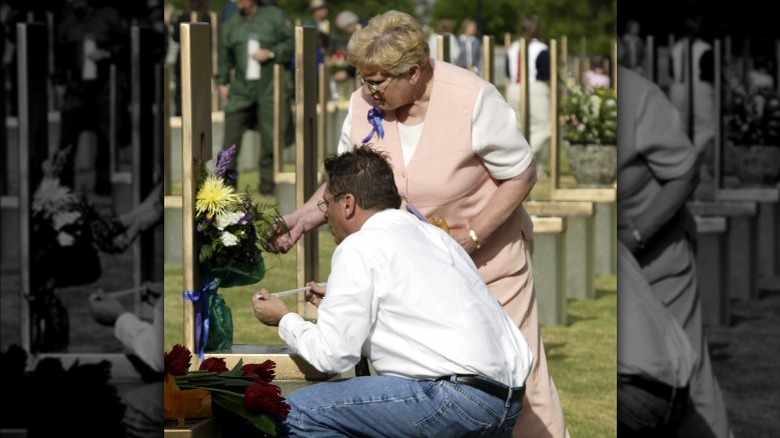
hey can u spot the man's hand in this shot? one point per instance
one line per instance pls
(223, 93)
(263, 55)
(316, 294)
(268, 309)
(105, 308)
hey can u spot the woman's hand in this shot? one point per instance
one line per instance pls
(286, 230)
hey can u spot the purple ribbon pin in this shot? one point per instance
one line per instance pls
(375, 116)
(201, 311)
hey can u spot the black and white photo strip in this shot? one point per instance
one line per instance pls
(698, 219)
(82, 206)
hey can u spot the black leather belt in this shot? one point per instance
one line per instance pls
(486, 385)
(659, 389)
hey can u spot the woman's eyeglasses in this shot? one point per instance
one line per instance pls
(373, 85)
(323, 205)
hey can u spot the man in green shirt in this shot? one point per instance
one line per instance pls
(250, 42)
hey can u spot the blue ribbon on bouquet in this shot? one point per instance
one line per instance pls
(200, 302)
(375, 116)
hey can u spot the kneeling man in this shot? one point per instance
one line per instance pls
(404, 294)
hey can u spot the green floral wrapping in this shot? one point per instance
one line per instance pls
(231, 276)
(220, 324)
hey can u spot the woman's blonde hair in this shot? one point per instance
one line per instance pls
(391, 43)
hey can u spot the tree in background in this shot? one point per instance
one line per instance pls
(594, 19)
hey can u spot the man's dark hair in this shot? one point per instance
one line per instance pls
(366, 174)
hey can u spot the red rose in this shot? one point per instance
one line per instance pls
(267, 399)
(177, 362)
(214, 364)
(264, 371)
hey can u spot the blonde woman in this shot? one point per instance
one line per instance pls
(457, 152)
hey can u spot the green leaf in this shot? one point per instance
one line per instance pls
(236, 371)
(205, 253)
(259, 420)
(237, 382)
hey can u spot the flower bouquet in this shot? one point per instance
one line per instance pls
(61, 235)
(242, 399)
(231, 229)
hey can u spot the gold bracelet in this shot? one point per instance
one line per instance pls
(474, 238)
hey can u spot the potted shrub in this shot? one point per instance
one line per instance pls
(752, 149)
(589, 122)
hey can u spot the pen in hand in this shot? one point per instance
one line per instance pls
(292, 291)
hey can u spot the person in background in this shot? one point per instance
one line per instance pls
(445, 26)
(632, 53)
(90, 38)
(538, 55)
(250, 43)
(657, 173)
(409, 298)
(470, 56)
(227, 11)
(457, 152)
(595, 76)
(318, 16)
(347, 22)
(700, 114)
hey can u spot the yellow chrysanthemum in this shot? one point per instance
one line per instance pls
(214, 196)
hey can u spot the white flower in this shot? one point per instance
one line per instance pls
(62, 218)
(229, 239)
(65, 239)
(51, 197)
(228, 218)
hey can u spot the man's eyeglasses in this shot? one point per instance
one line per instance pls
(323, 205)
(372, 85)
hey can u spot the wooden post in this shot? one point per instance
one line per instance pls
(614, 64)
(525, 98)
(305, 152)
(717, 144)
(777, 65)
(565, 56)
(488, 49)
(554, 125)
(279, 120)
(322, 115)
(214, 20)
(688, 81)
(145, 143)
(583, 61)
(443, 47)
(196, 145)
(507, 43)
(32, 72)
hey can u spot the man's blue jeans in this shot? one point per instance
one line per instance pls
(385, 406)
